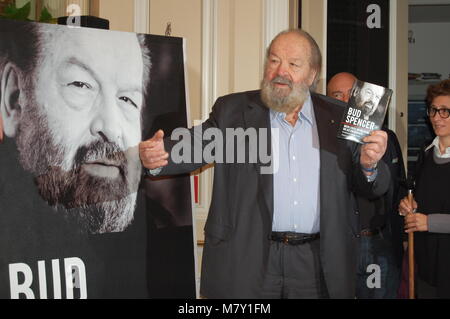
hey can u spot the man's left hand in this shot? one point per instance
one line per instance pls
(373, 149)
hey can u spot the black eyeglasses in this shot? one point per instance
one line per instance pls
(444, 113)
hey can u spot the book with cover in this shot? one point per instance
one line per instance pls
(365, 111)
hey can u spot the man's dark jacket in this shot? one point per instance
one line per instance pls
(239, 222)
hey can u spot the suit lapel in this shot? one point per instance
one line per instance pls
(327, 130)
(326, 125)
(256, 115)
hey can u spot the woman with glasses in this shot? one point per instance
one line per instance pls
(429, 215)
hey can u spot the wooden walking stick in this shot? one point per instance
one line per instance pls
(411, 252)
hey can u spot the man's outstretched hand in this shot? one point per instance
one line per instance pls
(152, 152)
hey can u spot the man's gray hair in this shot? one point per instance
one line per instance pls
(315, 59)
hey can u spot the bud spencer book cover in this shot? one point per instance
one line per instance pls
(365, 111)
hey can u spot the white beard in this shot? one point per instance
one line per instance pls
(279, 101)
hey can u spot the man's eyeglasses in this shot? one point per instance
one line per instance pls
(444, 113)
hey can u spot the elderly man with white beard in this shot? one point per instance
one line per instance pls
(291, 233)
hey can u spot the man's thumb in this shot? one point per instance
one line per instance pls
(159, 135)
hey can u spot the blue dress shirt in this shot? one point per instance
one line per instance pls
(296, 153)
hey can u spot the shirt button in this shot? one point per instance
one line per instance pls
(295, 203)
(295, 180)
(293, 157)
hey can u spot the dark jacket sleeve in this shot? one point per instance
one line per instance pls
(364, 188)
(418, 166)
(397, 191)
(186, 146)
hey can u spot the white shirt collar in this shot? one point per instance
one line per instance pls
(437, 151)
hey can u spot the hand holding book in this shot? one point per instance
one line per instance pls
(373, 149)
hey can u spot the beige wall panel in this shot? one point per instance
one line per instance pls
(239, 45)
(120, 14)
(314, 17)
(225, 47)
(248, 42)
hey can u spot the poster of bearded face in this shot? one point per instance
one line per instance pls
(78, 219)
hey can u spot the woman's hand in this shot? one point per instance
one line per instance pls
(416, 222)
(405, 207)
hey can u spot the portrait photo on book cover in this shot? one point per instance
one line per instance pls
(371, 100)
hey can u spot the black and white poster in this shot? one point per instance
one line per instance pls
(365, 111)
(77, 217)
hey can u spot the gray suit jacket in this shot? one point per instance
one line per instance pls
(240, 216)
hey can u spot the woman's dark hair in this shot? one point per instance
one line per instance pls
(440, 89)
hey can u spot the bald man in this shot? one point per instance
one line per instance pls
(340, 86)
(379, 223)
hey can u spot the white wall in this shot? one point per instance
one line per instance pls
(398, 68)
(314, 19)
(431, 50)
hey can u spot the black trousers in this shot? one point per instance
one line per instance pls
(424, 290)
(294, 272)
